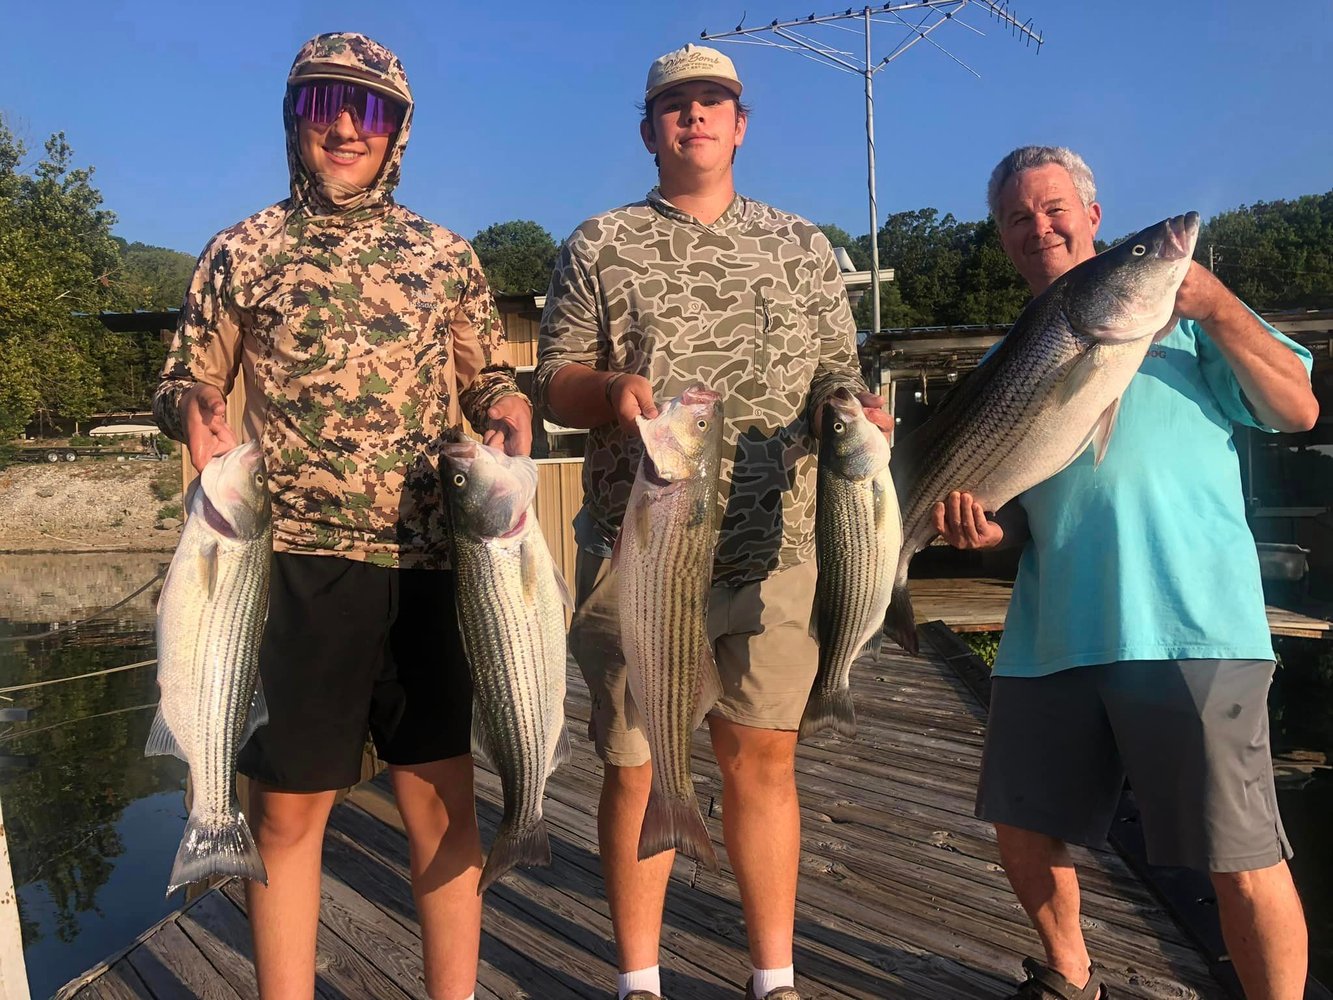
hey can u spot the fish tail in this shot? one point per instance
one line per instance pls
(829, 710)
(900, 624)
(513, 848)
(675, 824)
(216, 849)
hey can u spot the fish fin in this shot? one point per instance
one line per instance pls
(207, 850)
(1101, 433)
(1073, 381)
(512, 849)
(562, 587)
(829, 710)
(530, 570)
(481, 745)
(208, 568)
(162, 741)
(675, 824)
(615, 549)
(814, 614)
(258, 713)
(900, 623)
(708, 689)
(560, 751)
(643, 518)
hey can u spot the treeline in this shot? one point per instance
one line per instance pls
(58, 258)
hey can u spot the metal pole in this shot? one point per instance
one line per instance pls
(870, 169)
(13, 973)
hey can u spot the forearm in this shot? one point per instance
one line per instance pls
(578, 396)
(1272, 377)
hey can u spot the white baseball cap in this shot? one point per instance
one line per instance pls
(693, 62)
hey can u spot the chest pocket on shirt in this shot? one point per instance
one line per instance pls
(784, 359)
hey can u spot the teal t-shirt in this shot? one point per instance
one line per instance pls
(1147, 556)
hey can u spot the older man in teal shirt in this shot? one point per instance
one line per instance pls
(1137, 642)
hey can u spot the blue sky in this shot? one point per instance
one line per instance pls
(527, 110)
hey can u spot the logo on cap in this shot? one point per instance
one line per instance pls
(693, 62)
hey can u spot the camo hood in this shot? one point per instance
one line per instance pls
(347, 56)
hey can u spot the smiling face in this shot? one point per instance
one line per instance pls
(1044, 226)
(694, 128)
(341, 151)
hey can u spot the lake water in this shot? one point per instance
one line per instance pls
(92, 824)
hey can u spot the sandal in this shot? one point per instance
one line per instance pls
(1044, 983)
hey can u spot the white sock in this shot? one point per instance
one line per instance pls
(768, 980)
(641, 979)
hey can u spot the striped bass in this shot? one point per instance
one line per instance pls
(1051, 388)
(664, 562)
(210, 619)
(858, 532)
(511, 612)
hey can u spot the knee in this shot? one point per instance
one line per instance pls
(627, 782)
(1248, 886)
(289, 821)
(759, 763)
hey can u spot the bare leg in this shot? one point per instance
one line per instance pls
(761, 823)
(284, 917)
(439, 812)
(635, 890)
(1264, 929)
(1044, 880)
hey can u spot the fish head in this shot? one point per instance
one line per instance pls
(489, 492)
(233, 494)
(1129, 291)
(684, 440)
(849, 443)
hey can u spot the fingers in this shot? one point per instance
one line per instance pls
(493, 438)
(962, 522)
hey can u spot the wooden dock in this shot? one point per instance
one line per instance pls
(901, 894)
(979, 605)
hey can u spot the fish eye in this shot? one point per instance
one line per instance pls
(259, 479)
(838, 427)
(702, 425)
(1139, 250)
(460, 479)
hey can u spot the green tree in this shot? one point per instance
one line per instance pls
(518, 256)
(1274, 255)
(152, 277)
(857, 248)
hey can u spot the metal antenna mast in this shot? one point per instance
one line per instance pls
(794, 38)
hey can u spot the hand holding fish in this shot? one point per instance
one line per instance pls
(630, 396)
(509, 425)
(963, 523)
(204, 415)
(1200, 294)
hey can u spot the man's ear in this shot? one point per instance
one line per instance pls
(649, 137)
(1095, 216)
(742, 120)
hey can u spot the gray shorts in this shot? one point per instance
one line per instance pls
(766, 657)
(1192, 736)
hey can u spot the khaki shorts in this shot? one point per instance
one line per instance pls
(760, 632)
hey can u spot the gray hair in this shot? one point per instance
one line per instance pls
(1027, 157)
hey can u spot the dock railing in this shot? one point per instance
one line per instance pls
(13, 972)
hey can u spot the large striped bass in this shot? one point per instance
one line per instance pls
(664, 562)
(511, 604)
(858, 532)
(210, 619)
(1051, 388)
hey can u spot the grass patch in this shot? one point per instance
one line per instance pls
(166, 481)
(169, 510)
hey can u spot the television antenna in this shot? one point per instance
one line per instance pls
(920, 18)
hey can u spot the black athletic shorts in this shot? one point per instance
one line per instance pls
(351, 647)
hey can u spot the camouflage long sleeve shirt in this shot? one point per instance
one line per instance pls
(362, 338)
(753, 307)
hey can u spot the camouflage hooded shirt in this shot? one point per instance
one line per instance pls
(363, 334)
(753, 307)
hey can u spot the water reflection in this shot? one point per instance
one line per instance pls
(91, 823)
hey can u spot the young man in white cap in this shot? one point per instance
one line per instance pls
(699, 284)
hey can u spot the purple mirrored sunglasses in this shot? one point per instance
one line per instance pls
(320, 102)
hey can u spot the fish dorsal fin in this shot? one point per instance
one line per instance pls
(258, 713)
(566, 598)
(560, 752)
(1101, 431)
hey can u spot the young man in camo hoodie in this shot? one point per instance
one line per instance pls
(697, 283)
(363, 333)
